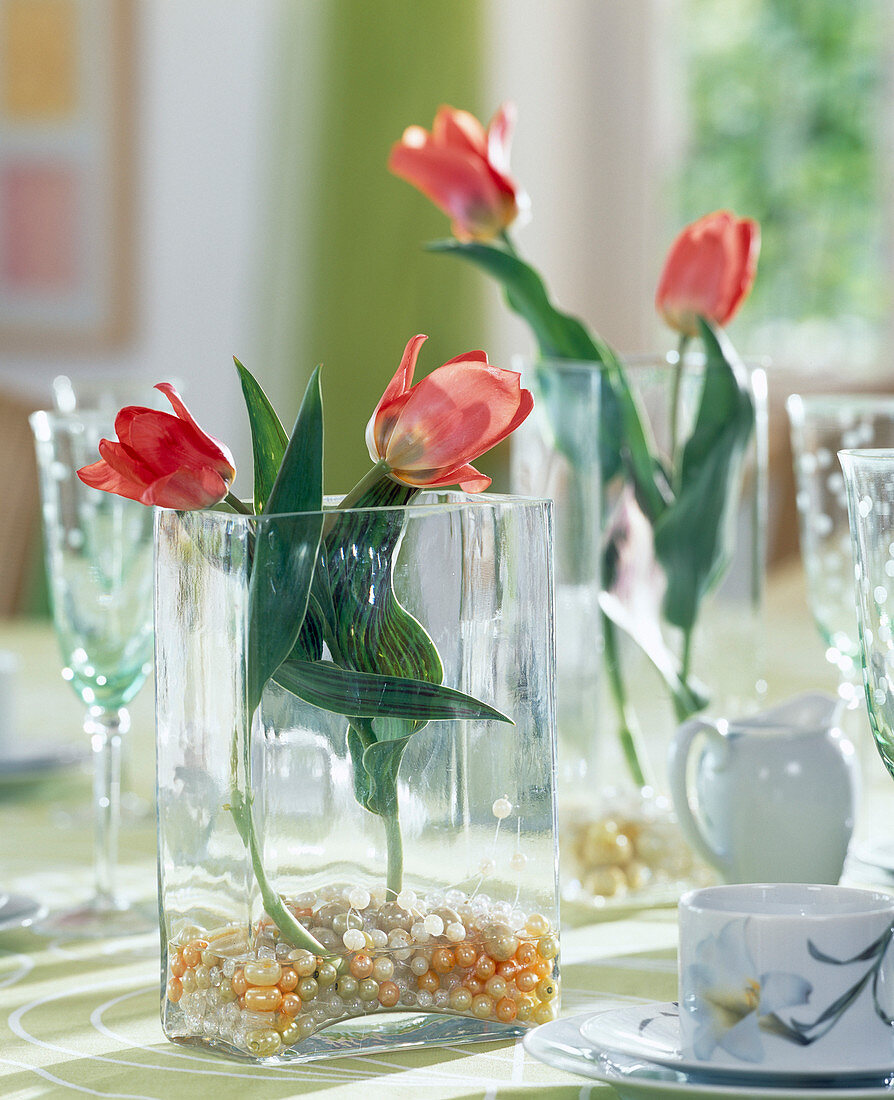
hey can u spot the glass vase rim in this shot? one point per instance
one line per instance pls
(478, 502)
(867, 454)
(636, 361)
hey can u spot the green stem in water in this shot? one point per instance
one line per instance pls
(237, 505)
(686, 659)
(394, 844)
(395, 853)
(675, 400)
(619, 695)
(240, 808)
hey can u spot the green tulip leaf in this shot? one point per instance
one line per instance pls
(285, 552)
(624, 442)
(268, 437)
(367, 695)
(694, 535)
(373, 632)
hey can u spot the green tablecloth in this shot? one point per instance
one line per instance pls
(82, 1017)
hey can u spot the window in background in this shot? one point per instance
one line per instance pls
(787, 119)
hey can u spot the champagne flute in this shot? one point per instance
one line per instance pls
(869, 477)
(99, 564)
(822, 425)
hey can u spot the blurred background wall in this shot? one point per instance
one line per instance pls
(256, 217)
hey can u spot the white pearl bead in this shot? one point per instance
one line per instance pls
(517, 861)
(359, 898)
(406, 899)
(487, 866)
(502, 808)
(434, 925)
(354, 939)
(456, 932)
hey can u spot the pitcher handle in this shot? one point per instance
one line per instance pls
(678, 759)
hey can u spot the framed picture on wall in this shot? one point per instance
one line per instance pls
(65, 174)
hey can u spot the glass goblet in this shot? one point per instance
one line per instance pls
(869, 477)
(99, 564)
(822, 425)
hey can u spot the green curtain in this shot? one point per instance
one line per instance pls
(366, 282)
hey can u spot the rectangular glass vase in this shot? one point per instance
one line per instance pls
(430, 918)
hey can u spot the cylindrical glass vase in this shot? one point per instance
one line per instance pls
(334, 884)
(619, 838)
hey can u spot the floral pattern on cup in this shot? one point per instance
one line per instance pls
(731, 1004)
(730, 1001)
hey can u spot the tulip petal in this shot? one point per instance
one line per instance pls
(381, 423)
(126, 417)
(100, 475)
(461, 185)
(466, 477)
(499, 137)
(461, 130)
(186, 489)
(208, 441)
(126, 463)
(709, 271)
(458, 412)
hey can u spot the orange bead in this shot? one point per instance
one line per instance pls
(526, 953)
(175, 990)
(429, 981)
(289, 979)
(361, 966)
(239, 983)
(443, 960)
(264, 998)
(291, 1005)
(485, 968)
(389, 994)
(506, 1010)
(465, 954)
(527, 980)
(474, 985)
(178, 966)
(543, 967)
(192, 953)
(508, 970)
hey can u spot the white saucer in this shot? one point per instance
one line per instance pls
(652, 1032)
(561, 1045)
(17, 911)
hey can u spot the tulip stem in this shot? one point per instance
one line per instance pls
(237, 505)
(627, 725)
(370, 478)
(675, 404)
(507, 241)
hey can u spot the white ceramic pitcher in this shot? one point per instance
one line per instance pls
(774, 794)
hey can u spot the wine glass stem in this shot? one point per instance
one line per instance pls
(105, 728)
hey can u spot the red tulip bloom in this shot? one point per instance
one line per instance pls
(708, 271)
(428, 434)
(162, 459)
(464, 170)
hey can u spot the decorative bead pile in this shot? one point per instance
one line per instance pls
(447, 953)
(629, 849)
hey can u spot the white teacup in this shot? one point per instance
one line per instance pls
(787, 978)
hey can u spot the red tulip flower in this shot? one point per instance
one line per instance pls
(162, 458)
(464, 170)
(708, 271)
(428, 434)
